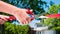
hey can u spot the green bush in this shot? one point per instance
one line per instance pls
(53, 23)
(16, 29)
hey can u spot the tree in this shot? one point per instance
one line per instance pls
(36, 5)
(51, 3)
(54, 9)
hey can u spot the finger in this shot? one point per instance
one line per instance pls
(25, 15)
(28, 19)
(21, 20)
(24, 18)
(4, 17)
(25, 21)
(2, 21)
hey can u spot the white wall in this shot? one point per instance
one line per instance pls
(47, 32)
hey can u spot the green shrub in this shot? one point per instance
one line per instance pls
(16, 29)
(53, 23)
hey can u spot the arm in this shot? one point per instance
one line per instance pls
(20, 14)
(7, 8)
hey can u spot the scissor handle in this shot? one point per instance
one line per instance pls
(30, 13)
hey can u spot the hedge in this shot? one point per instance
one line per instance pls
(16, 29)
(53, 23)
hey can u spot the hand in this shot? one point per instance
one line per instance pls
(22, 16)
(2, 20)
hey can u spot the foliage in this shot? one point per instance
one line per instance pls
(51, 3)
(36, 5)
(54, 9)
(16, 29)
(53, 23)
(45, 14)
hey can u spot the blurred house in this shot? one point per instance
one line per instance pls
(37, 28)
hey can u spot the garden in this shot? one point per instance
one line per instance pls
(38, 9)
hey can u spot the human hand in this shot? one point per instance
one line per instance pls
(22, 16)
(2, 19)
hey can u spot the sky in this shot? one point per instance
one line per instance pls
(55, 1)
(48, 2)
